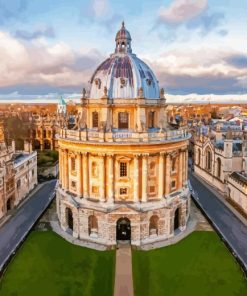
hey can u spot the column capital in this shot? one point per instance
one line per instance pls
(145, 155)
(84, 153)
(110, 155)
(137, 155)
(162, 153)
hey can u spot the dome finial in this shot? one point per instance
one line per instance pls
(123, 24)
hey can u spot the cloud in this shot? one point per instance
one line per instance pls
(12, 9)
(39, 68)
(237, 60)
(186, 71)
(33, 64)
(47, 32)
(100, 7)
(207, 22)
(181, 11)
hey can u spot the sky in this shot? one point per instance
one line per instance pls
(50, 48)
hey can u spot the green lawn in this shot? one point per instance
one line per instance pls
(199, 265)
(47, 265)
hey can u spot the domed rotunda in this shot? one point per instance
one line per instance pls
(123, 168)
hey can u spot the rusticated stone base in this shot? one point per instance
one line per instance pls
(96, 222)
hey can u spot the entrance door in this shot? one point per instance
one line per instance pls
(176, 219)
(123, 229)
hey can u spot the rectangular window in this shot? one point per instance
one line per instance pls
(73, 184)
(123, 191)
(123, 120)
(95, 119)
(123, 169)
(151, 116)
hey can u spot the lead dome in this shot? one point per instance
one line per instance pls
(123, 75)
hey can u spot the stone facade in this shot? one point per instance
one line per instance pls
(237, 190)
(216, 157)
(123, 169)
(43, 131)
(18, 175)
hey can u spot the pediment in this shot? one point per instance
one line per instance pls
(123, 158)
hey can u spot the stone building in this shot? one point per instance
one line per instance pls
(123, 170)
(43, 131)
(237, 189)
(220, 158)
(18, 175)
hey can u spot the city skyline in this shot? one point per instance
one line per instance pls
(49, 49)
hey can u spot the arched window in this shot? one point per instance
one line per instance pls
(208, 160)
(151, 116)
(154, 225)
(72, 164)
(218, 167)
(95, 119)
(94, 169)
(44, 133)
(93, 226)
(123, 120)
(199, 156)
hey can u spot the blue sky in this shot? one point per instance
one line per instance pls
(193, 46)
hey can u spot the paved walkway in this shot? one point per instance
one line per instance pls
(14, 231)
(123, 273)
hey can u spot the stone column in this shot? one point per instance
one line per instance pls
(66, 170)
(144, 176)
(79, 174)
(110, 178)
(136, 178)
(60, 166)
(168, 174)
(186, 165)
(180, 170)
(161, 176)
(85, 175)
(102, 175)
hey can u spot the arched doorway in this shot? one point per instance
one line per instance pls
(176, 219)
(123, 229)
(69, 216)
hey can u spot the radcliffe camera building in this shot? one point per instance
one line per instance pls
(123, 168)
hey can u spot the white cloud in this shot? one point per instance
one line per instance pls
(182, 10)
(100, 7)
(41, 64)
